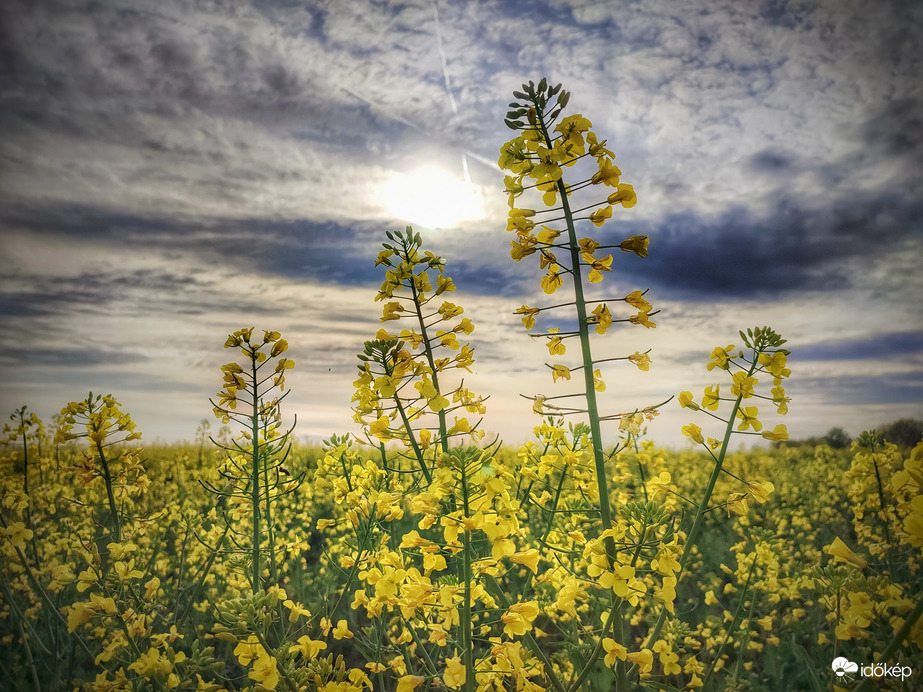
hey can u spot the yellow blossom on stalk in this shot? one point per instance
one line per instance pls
(560, 372)
(265, 671)
(686, 401)
(555, 343)
(743, 385)
(308, 647)
(841, 552)
(16, 501)
(104, 604)
(667, 593)
(614, 651)
(341, 631)
(125, 571)
(641, 360)
(778, 433)
(552, 281)
(694, 431)
(79, 614)
(597, 266)
(528, 316)
(296, 610)
(391, 311)
(249, 650)
(636, 300)
(598, 217)
(17, 533)
(86, 579)
(760, 490)
(61, 576)
(644, 659)
(711, 398)
(519, 618)
(455, 674)
(627, 197)
(661, 482)
(379, 427)
(641, 318)
(529, 558)
(408, 683)
(631, 423)
(775, 364)
(780, 400)
(737, 503)
(748, 418)
(637, 244)
(608, 174)
(720, 357)
(601, 317)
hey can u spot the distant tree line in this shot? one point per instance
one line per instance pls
(905, 432)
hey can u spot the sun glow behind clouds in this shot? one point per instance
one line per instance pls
(430, 197)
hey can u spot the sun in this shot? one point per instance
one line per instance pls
(430, 197)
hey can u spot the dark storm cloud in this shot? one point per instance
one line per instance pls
(858, 390)
(768, 161)
(880, 346)
(93, 292)
(897, 131)
(335, 253)
(741, 255)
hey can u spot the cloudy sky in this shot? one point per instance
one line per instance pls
(172, 171)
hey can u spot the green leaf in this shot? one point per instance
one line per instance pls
(809, 666)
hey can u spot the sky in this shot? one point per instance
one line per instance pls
(173, 171)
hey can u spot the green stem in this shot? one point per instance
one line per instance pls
(614, 614)
(465, 622)
(255, 477)
(428, 350)
(29, 659)
(110, 494)
(697, 524)
(204, 574)
(25, 485)
(589, 384)
(734, 623)
(265, 452)
(179, 580)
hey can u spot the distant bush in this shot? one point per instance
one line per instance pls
(837, 438)
(905, 432)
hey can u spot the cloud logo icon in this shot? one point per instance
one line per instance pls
(841, 666)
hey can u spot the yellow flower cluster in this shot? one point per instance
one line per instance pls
(399, 389)
(546, 145)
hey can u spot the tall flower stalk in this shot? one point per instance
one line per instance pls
(106, 425)
(536, 158)
(401, 392)
(253, 471)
